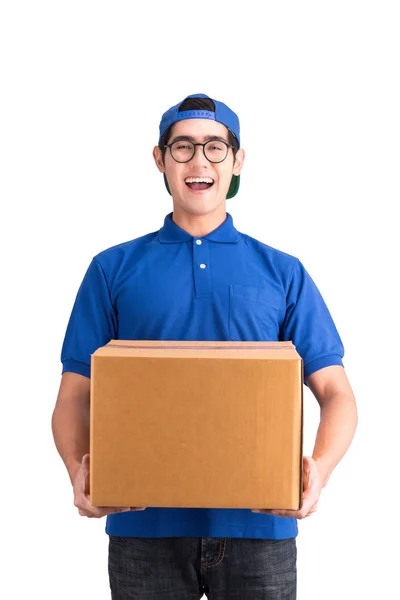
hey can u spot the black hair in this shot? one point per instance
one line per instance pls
(197, 104)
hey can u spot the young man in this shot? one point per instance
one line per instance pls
(198, 278)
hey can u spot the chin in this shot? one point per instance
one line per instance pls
(197, 204)
(202, 207)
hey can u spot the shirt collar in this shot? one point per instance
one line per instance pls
(171, 233)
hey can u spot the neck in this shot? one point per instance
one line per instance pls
(199, 225)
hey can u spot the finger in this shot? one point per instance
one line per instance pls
(312, 488)
(313, 473)
(310, 502)
(86, 464)
(279, 513)
(85, 513)
(276, 513)
(307, 474)
(86, 472)
(108, 510)
(122, 508)
(82, 502)
(308, 508)
(311, 497)
(95, 513)
(294, 514)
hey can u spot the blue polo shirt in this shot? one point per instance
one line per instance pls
(169, 285)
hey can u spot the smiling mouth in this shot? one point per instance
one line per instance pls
(199, 183)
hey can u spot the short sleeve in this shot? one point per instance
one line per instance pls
(309, 325)
(92, 323)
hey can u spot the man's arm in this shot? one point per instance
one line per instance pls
(338, 420)
(71, 421)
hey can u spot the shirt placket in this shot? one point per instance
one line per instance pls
(201, 267)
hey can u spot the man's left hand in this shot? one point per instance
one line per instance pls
(312, 486)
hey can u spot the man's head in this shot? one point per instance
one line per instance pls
(200, 120)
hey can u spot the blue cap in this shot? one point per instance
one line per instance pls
(222, 114)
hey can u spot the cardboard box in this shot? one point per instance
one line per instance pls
(196, 425)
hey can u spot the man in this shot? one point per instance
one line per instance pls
(198, 278)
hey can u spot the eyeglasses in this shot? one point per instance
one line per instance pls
(215, 151)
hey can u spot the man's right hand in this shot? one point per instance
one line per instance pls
(81, 483)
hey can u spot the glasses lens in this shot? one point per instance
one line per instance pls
(182, 151)
(216, 151)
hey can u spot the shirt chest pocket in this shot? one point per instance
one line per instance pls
(254, 314)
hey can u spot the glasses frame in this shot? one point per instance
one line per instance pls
(204, 152)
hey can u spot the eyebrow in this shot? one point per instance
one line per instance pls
(206, 138)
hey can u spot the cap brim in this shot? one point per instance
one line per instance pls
(233, 188)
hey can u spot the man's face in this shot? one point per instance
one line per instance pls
(186, 195)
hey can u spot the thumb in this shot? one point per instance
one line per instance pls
(86, 464)
(307, 467)
(86, 471)
(307, 462)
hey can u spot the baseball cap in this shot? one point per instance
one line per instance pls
(222, 113)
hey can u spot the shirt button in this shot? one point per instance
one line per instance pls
(198, 242)
(202, 266)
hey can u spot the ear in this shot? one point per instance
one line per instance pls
(239, 160)
(157, 155)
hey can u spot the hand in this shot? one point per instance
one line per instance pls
(81, 495)
(312, 486)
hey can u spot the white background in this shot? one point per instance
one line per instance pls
(316, 87)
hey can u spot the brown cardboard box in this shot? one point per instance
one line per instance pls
(196, 425)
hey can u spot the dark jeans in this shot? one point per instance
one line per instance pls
(186, 568)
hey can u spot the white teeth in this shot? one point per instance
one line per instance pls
(199, 180)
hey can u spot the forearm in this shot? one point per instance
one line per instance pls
(338, 423)
(71, 427)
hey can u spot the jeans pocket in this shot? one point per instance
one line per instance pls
(280, 556)
(127, 554)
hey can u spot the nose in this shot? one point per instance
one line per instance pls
(199, 157)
